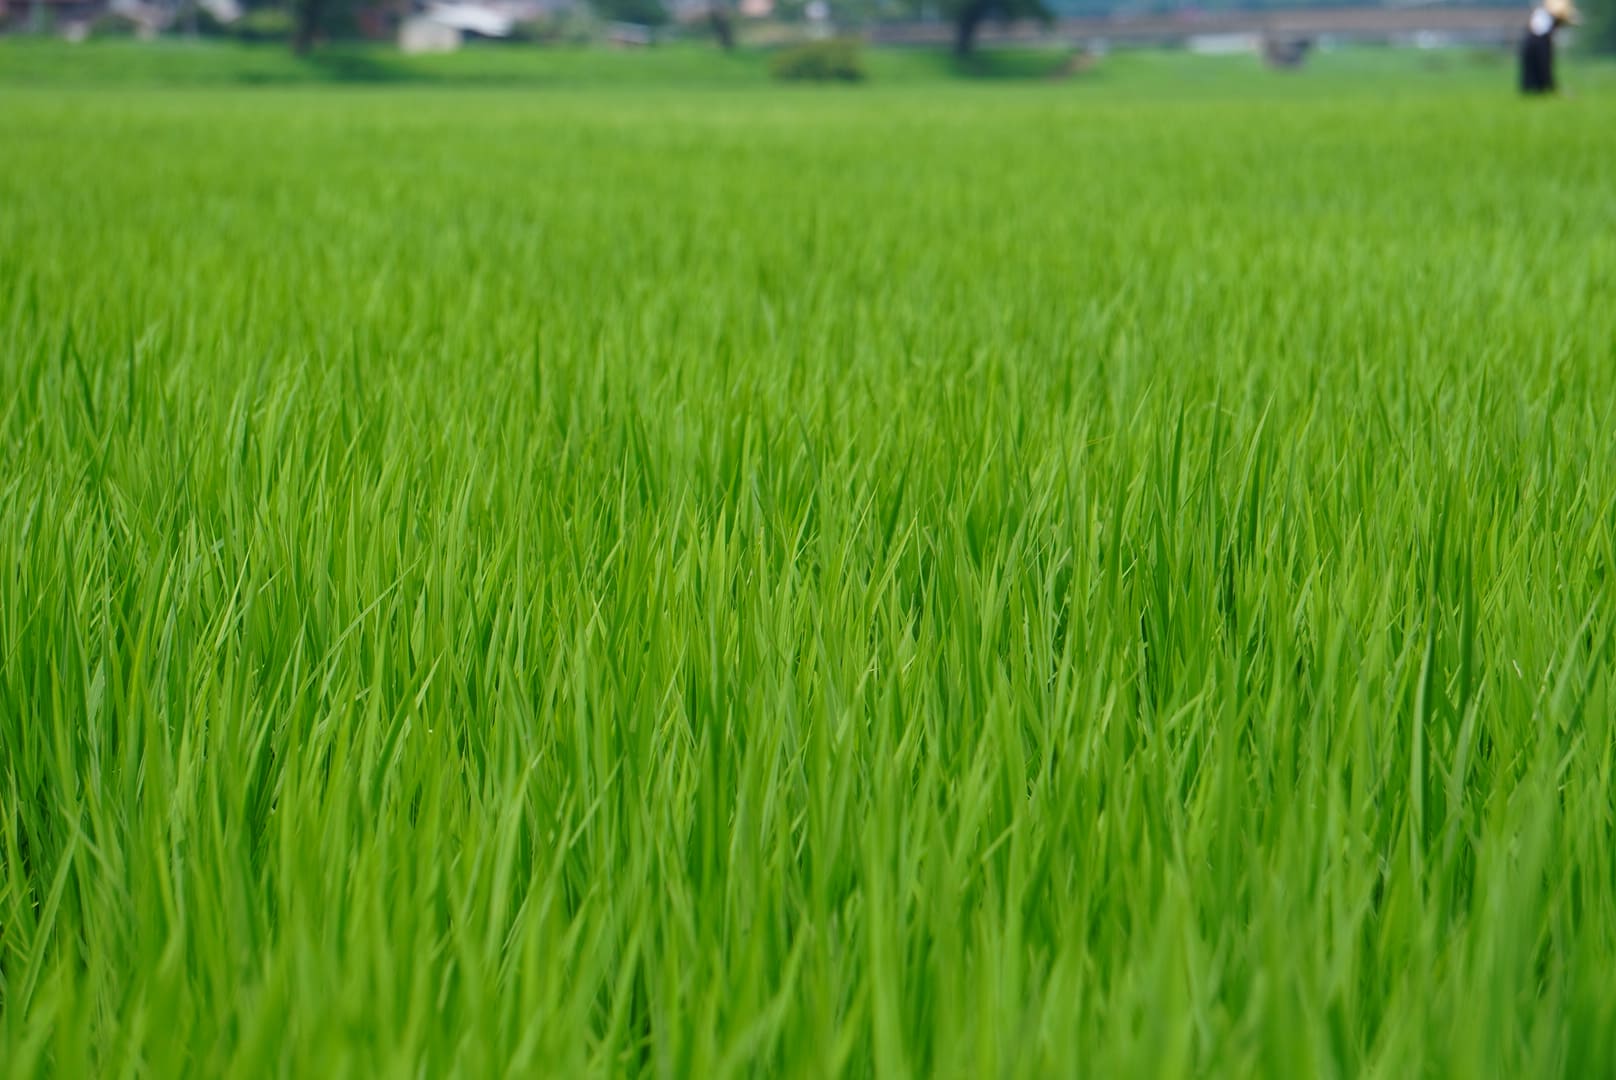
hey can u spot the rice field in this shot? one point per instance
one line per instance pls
(998, 578)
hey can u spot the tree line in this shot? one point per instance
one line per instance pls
(312, 19)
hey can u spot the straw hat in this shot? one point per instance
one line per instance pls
(1563, 11)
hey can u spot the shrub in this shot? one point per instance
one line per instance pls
(835, 60)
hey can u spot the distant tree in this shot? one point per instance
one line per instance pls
(640, 12)
(969, 15)
(310, 17)
(316, 20)
(722, 20)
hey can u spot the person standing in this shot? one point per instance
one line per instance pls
(1537, 47)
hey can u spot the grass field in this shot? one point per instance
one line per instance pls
(1104, 578)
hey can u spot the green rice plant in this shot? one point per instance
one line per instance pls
(942, 580)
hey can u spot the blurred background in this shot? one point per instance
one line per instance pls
(815, 40)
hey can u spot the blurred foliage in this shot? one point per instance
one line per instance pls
(1599, 35)
(969, 16)
(833, 60)
(579, 25)
(112, 26)
(641, 12)
(264, 24)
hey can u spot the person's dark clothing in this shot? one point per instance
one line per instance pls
(1537, 63)
(1537, 47)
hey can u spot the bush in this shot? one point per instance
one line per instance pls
(836, 60)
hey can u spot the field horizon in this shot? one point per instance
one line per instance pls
(1136, 73)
